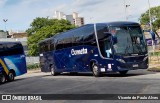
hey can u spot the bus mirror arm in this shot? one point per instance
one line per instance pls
(93, 42)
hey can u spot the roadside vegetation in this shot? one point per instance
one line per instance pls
(154, 61)
(42, 28)
(33, 66)
(154, 57)
(155, 18)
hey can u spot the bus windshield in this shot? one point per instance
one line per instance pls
(128, 40)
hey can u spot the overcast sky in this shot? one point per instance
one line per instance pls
(20, 13)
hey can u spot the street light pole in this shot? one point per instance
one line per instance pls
(125, 7)
(91, 19)
(151, 28)
(150, 19)
(5, 20)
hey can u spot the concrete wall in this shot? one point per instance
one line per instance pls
(3, 34)
(32, 60)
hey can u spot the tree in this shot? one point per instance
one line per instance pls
(42, 28)
(155, 18)
(1, 30)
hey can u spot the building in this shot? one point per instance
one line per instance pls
(75, 15)
(79, 21)
(19, 35)
(3, 34)
(158, 31)
(59, 15)
(69, 18)
(73, 19)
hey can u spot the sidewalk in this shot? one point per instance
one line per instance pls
(34, 71)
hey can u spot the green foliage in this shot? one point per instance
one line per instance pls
(154, 54)
(1, 30)
(42, 28)
(155, 17)
(33, 66)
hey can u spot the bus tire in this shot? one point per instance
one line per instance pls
(2, 78)
(123, 72)
(95, 70)
(53, 73)
(10, 76)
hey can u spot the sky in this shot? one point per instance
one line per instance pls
(20, 13)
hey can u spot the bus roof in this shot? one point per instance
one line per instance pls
(116, 23)
(5, 42)
(119, 23)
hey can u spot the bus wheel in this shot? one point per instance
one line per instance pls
(95, 70)
(123, 72)
(10, 76)
(53, 71)
(2, 78)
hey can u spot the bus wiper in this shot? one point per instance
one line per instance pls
(126, 50)
(139, 48)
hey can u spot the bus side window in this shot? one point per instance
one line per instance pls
(52, 46)
(73, 41)
(42, 46)
(60, 44)
(67, 43)
(107, 47)
(2, 49)
(81, 40)
(14, 49)
(104, 39)
(89, 35)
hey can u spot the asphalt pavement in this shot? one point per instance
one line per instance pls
(135, 82)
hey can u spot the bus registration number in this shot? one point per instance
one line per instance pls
(135, 65)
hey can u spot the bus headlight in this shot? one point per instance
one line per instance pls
(145, 58)
(121, 60)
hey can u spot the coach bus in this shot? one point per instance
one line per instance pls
(12, 61)
(98, 48)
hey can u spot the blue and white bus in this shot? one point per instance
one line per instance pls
(97, 48)
(12, 61)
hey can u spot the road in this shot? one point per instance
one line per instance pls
(138, 82)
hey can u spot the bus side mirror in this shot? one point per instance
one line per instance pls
(114, 39)
(107, 34)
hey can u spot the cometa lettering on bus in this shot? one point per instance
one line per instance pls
(79, 52)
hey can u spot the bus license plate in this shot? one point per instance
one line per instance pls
(135, 65)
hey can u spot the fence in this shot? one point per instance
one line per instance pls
(32, 60)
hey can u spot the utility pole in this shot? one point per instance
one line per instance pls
(125, 7)
(151, 27)
(150, 18)
(5, 22)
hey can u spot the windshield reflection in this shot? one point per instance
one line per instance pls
(128, 40)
